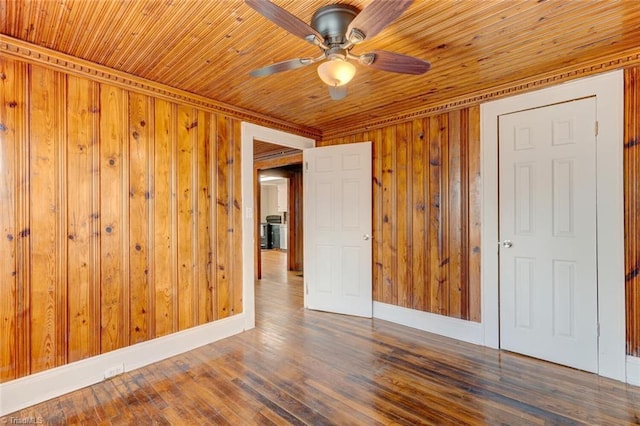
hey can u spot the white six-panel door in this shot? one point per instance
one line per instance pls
(547, 191)
(337, 247)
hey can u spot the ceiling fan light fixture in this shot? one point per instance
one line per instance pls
(336, 72)
(337, 92)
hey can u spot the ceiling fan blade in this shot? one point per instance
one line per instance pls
(291, 64)
(395, 62)
(285, 20)
(374, 17)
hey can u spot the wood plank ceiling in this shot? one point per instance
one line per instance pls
(209, 47)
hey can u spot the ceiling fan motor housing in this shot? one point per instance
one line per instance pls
(332, 22)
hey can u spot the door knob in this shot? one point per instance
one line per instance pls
(507, 244)
(366, 237)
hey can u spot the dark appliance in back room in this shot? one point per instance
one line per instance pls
(264, 235)
(273, 231)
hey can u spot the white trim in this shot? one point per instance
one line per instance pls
(633, 370)
(265, 134)
(27, 391)
(609, 91)
(454, 328)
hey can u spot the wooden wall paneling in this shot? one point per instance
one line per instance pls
(46, 315)
(202, 163)
(223, 261)
(377, 209)
(187, 194)
(403, 183)
(113, 279)
(164, 215)
(236, 226)
(632, 207)
(389, 219)
(104, 195)
(474, 205)
(13, 112)
(83, 218)
(140, 192)
(419, 232)
(455, 213)
(426, 213)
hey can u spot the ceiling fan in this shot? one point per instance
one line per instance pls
(336, 29)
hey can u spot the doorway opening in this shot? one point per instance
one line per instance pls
(278, 206)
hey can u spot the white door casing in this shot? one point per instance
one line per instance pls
(608, 91)
(337, 239)
(547, 196)
(250, 132)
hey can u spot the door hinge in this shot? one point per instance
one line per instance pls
(306, 166)
(596, 129)
(306, 288)
(598, 329)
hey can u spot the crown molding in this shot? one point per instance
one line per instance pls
(31, 53)
(59, 61)
(575, 71)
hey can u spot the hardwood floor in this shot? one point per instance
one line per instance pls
(305, 367)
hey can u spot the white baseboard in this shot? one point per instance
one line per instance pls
(633, 370)
(467, 331)
(27, 391)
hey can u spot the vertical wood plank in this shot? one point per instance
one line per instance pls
(45, 209)
(13, 111)
(187, 126)
(419, 225)
(632, 207)
(202, 161)
(236, 218)
(403, 213)
(213, 213)
(474, 209)
(81, 266)
(464, 213)
(435, 224)
(453, 211)
(163, 201)
(140, 134)
(389, 230)
(443, 234)
(113, 132)
(377, 212)
(225, 133)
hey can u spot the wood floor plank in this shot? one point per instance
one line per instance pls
(314, 368)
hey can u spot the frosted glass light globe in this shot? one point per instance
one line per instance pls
(336, 72)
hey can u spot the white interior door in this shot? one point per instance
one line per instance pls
(337, 239)
(547, 190)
